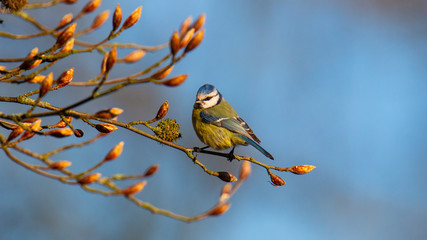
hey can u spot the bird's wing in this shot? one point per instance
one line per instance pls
(234, 124)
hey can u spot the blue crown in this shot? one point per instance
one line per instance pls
(206, 89)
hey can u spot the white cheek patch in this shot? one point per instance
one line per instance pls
(211, 102)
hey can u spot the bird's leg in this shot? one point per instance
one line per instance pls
(231, 155)
(198, 150)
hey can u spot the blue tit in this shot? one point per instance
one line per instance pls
(217, 124)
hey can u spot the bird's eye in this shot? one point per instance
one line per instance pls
(208, 98)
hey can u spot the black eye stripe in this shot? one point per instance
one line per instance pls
(208, 98)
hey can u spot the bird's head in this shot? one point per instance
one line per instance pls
(207, 96)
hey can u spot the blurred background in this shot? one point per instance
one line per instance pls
(341, 85)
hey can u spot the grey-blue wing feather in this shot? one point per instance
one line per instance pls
(232, 124)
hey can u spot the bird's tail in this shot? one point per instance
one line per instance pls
(257, 146)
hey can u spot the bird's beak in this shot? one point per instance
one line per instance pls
(197, 104)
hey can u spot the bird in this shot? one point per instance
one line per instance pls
(218, 125)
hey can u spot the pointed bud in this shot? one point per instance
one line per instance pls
(66, 19)
(117, 17)
(301, 169)
(66, 34)
(45, 85)
(134, 56)
(276, 180)
(30, 120)
(187, 37)
(105, 127)
(65, 78)
(60, 133)
(151, 170)
(78, 133)
(195, 41)
(219, 209)
(100, 19)
(162, 73)
(245, 170)
(133, 18)
(162, 110)
(104, 62)
(115, 152)
(111, 60)
(109, 113)
(35, 63)
(35, 127)
(88, 179)
(62, 124)
(134, 189)
(175, 81)
(37, 79)
(2, 68)
(91, 6)
(200, 22)
(60, 164)
(68, 46)
(226, 177)
(70, 1)
(29, 64)
(225, 192)
(15, 133)
(184, 26)
(174, 43)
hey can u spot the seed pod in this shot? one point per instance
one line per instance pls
(111, 60)
(66, 34)
(88, 179)
(163, 110)
(37, 79)
(91, 6)
(226, 177)
(219, 209)
(134, 56)
(60, 133)
(100, 19)
(186, 38)
(133, 189)
(276, 180)
(105, 127)
(162, 73)
(151, 170)
(200, 22)
(195, 41)
(175, 81)
(45, 85)
(301, 169)
(60, 164)
(184, 26)
(68, 46)
(245, 170)
(66, 19)
(62, 124)
(174, 43)
(133, 18)
(117, 17)
(115, 152)
(65, 78)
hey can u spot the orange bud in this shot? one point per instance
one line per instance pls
(134, 56)
(187, 37)
(111, 60)
(66, 34)
(35, 127)
(200, 22)
(162, 73)
(195, 41)
(29, 64)
(68, 46)
(174, 43)
(162, 110)
(2, 68)
(151, 170)
(117, 17)
(60, 164)
(245, 170)
(133, 189)
(65, 78)
(226, 177)
(69, 1)
(104, 62)
(184, 26)
(60, 133)
(100, 19)
(219, 209)
(66, 19)
(33, 52)
(115, 152)
(88, 179)
(35, 63)
(62, 124)
(45, 85)
(105, 127)
(175, 81)
(30, 120)
(91, 6)
(15, 133)
(78, 133)
(133, 18)
(37, 79)
(301, 169)
(276, 180)
(109, 113)
(225, 192)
